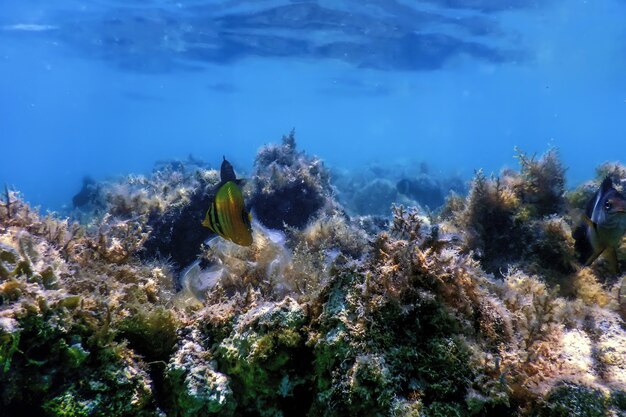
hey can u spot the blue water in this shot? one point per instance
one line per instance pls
(105, 88)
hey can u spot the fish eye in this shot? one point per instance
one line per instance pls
(608, 205)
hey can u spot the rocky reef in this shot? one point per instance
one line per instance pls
(373, 189)
(477, 309)
(289, 188)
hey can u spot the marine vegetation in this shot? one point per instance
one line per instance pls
(132, 308)
(289, 187)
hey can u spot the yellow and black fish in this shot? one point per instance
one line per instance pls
(227, 215)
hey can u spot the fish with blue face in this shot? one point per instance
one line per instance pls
(603, 225)
(227, 215)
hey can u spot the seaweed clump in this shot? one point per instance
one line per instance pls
(518, 219)
(421, 329)
(167, 206)
(64, 296)
(542, 184)
(569, 399)
(288, 187)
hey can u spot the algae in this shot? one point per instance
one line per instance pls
(479, 309)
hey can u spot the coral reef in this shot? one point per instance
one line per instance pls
(477, 310)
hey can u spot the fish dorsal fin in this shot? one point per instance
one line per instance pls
(594, 207)
(227, 173)
(607, 185)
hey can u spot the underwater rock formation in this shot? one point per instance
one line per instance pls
(176, 234)
(423, 189)
(168, 205)
(288, 187)
(73, 311)
(89, 197)
(193, 386)
(375, 198)
(480, 310)
(375, 190)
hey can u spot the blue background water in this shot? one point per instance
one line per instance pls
(109, 87)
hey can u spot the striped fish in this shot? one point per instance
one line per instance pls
(227, 215)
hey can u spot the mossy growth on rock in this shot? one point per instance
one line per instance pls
(59, 313)
(458, 315)
(242, 359)
(151, 333)
(373, 353)
(60, 361)
(267, 360)
(571, 400)
(288, 187)
(193, 386)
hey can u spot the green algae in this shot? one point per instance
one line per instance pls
(569, 400)
(199, 394)
(405, 346)
(56, 354)
(261, 356)
(618, 399)
(442, 409)
(70, 302)
(67, 405)
(151, 333)
(8, 261)
(9, 343)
